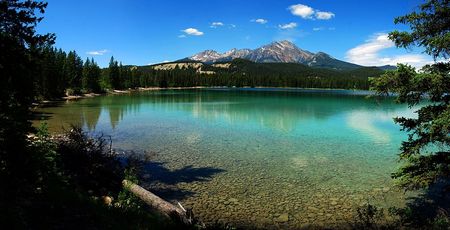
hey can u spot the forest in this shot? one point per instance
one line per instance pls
(61, 73)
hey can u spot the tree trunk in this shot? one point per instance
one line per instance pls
(163, 207)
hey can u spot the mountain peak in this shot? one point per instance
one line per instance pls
(205, 56)
(285, 43)
(322, 55)
(283, 51)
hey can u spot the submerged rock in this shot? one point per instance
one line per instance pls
(282, 218)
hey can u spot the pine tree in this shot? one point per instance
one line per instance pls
(74, 71)
(20, 55)
(86, 75)
(430, 28)
(114, 74)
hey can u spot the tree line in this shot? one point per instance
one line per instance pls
(62, 73)
(242, 73)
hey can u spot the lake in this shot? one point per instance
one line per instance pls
(254, 157)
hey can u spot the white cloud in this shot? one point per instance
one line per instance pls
(97, 52)
(259, 20)
(322, 15)
(232, 26)
(368, 53)
(303, 11)
(193, 31)
(288, 26)
(181, 36)
(307, 12)
(216, 24)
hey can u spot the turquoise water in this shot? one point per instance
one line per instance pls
(258, 157)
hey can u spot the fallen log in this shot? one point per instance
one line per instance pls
(163, 207)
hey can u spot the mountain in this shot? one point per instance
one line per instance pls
(387, 67)
(283, 51)
(275, 52)
(211, 56)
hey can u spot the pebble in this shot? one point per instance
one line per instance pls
(282, 218)
(287, 203)
(306, 226)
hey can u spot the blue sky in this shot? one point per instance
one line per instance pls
(141, 32)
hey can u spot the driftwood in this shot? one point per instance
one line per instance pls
(161, 206)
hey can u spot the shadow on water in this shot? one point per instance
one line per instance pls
(163, 181)
(41, 116)
(431, 207)
(428, 209)
(39, 113)
(187, 174)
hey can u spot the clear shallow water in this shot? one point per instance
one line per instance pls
(280, 158)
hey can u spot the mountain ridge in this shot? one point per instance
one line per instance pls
(277, 52)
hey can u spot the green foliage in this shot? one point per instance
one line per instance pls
(88, 164)
(91, 76)
(441, 222)
(429, 28)
(74, 71)
(114, 74)
(369, 217)
(73, 171)
(45, 149)
(62, 74)
(20, 170)
(50, 79)
(426, 153)
(416, 218)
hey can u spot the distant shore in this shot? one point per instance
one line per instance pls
(125, 91)
(141, 89)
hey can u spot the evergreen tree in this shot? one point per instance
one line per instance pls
(94, 80)
(114, 74)
(121, 81)
(426, 153)
(19, 62)
(74, 71)
(86, 75)
(60, 79)
(91, 76)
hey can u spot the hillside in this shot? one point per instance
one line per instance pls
(241, 72)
